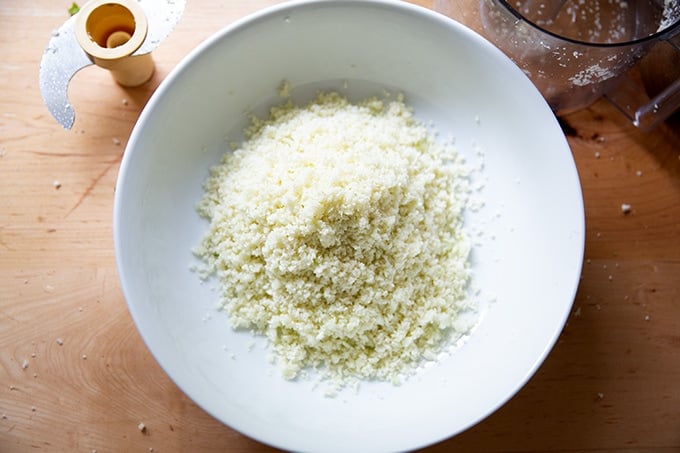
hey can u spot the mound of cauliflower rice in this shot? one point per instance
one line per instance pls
(335, 230)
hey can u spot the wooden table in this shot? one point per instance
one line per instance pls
(75, 375)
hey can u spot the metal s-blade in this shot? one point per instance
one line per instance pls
(162, 16)
(62, 58)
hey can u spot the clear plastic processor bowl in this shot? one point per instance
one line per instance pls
(529, 231)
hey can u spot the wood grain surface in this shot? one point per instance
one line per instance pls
(76, 377)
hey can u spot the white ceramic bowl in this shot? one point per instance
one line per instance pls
(529, 257)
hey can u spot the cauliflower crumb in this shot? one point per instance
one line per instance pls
(625, 208)
(141, 427)
(336, 232)
(284, 89)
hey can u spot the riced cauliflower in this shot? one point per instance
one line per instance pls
(336, 231)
